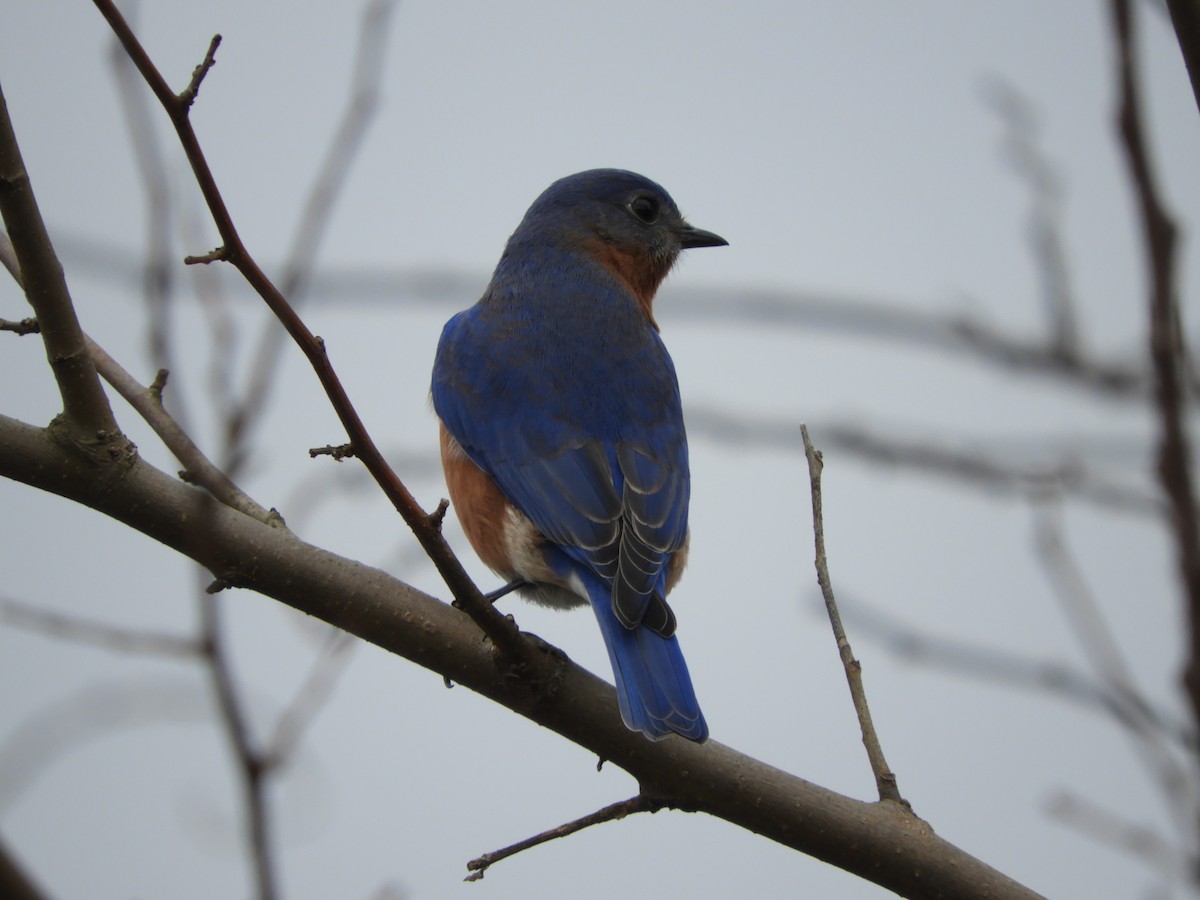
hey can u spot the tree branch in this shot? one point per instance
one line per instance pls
(498, 627)
(612, 813)
(881, 842)
(1167, 349)
(885, 778)
(78, 630)
(300, 265)
(86, 413)
(1185, 16)
(15, 883)
(1129, 706)
(249, 760)
(198, 469)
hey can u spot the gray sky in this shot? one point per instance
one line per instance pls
(846, 151)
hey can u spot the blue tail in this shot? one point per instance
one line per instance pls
(653, 686)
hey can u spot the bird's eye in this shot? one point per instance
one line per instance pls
(645, 209)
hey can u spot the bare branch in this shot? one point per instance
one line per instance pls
(21, 327)
(157, 264)
(879, 318)
(251, 765)
(1128, 705)
(1113, 830)
(302, 258)
(338, 453)
(198, 469)
(501, 629)
(15, 883)
(882, 842)
(612, 813)
(1168, 350)
(988, 471)
(86, 412)
(1045, 217)
(885, 779)
(78, 630)
(995, 666)
(1185, 16)
(188, 96)
(8, 257)
(309, 699)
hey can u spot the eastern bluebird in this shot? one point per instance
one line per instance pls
(562, 431)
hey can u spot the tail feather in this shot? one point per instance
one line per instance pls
(654, 689)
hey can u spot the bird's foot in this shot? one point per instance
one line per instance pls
(493, 596)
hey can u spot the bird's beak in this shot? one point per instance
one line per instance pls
(697, 237)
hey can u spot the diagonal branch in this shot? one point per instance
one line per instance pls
(148, 402)
(15, 883)
(198, 469)
(86, 412)
(612, 813)
(309, 699)
(882, 842)
(299, 267)
(500, 629)
(1185, 16)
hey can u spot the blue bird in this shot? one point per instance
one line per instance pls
(562, 433)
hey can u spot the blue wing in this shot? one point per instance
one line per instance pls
(599, 467)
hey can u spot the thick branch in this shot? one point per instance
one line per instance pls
(1185, 16)
(882, 842)
(86, 412)
(15, 884)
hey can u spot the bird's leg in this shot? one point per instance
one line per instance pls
(495, 595)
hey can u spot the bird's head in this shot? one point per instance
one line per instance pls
(624, 221)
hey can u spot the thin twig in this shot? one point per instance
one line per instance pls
(340, 452)
(309, 699)
(885, 779)
(21, 327)
(157, 264)
(1113, 830)
(1045, 225)
(611, 813)
(1003, 667)
(188, 95)
(78, 630)
(1129, 708)
(198, 469)
(976, 338)
(8, 257)
(990, 471)
(314, 221)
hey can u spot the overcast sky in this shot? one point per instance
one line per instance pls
(848, 151)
